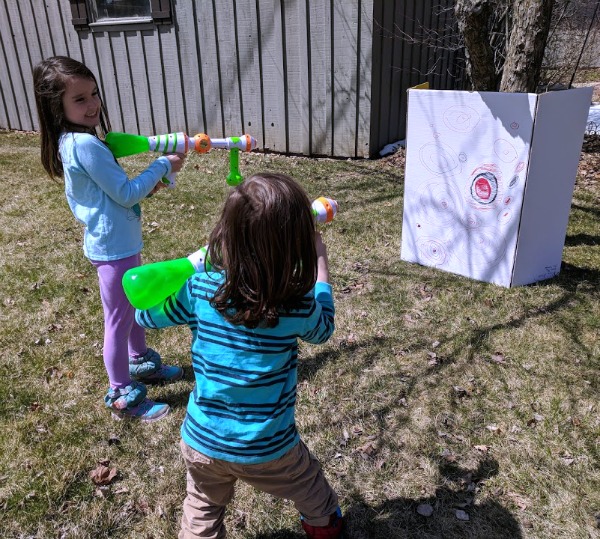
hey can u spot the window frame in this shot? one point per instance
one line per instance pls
(82, 17)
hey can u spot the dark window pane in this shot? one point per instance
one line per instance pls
(115, 9)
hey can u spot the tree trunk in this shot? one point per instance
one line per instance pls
(527, 42)
(473, 18)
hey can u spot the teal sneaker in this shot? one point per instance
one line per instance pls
(131, 402)
(149, 369)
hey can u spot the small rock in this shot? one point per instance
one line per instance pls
(425, 510)
(462, 515)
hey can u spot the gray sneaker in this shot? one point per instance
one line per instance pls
(150, 369)
(131, 402)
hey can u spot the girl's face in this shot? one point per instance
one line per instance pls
(81, 102)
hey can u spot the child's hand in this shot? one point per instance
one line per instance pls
(160, 185)
(177, 160)
(322, 262)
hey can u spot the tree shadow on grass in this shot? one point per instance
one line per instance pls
(397, 518)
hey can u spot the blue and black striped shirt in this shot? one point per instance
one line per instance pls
(242, 406)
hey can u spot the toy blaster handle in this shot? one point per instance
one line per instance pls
(246, 143)
(324, 209)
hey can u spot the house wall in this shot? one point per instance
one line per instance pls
(306, 77)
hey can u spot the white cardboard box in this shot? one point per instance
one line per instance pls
(489, 179)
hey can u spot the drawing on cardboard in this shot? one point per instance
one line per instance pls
(460, 215)
(486, 196)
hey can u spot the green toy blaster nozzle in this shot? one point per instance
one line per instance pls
(124, 144)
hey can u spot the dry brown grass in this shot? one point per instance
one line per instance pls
(434, 391)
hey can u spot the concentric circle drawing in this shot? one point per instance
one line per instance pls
(486, 249)
(433, 251)
(440, 204)
(438, 157)
(461, 118)
(471, 221)
(505, 150)
(484, 188)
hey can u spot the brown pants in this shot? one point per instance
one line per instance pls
(296, 476)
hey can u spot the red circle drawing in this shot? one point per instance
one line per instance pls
(484, 188)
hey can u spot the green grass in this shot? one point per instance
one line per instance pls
(435, 389)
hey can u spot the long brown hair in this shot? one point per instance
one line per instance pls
(264, 243)
(49, 83)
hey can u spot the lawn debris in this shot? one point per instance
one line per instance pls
(448, 455)
(103, 475)
(367, 451)
(520, 501)
(498, 357)
(460, 392)
(462, 515)
(425, 510)
(537, 418)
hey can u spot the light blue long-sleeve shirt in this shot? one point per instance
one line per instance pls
(103, 198)
(242, 407)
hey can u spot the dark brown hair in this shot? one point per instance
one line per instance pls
(50, 78)
(264, 243)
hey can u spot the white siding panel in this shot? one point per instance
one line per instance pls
(24, 45)
(13, 48)
(55, 22)
(154, 69)
(172, 78)
(298, 79)
(273, 75)
(345, 39)
(189, 49)
(364, 79)
(7, 110)
(140, 90)
(228, 68)
(210, 69)
(29, 25)
(249, 70)
(73, 48)
(123, 80)
(106, 65)
(42, 25)
(320, 77)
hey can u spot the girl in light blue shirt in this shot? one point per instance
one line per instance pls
(106, 202)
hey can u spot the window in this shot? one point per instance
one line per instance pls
(103, 13)
(118, 9)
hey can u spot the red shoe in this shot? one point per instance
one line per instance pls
(333, 530)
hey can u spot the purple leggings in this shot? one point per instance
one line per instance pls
(122, 336)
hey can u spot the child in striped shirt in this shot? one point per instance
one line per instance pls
(267, 287)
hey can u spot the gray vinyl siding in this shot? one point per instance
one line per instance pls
(306, 77)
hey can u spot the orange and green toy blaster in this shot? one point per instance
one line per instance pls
(124, 144)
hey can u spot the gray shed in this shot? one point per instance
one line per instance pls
(308, 77)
